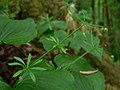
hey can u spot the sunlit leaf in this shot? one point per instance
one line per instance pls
(15, 63)
(28, 59)
(18, 73)
(20, 60)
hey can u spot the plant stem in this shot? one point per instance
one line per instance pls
(47, 52)
(60, 42)
(72, 33)
(54, 48)
(66, 67)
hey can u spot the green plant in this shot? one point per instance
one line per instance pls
(66, 76)
(48, 24)
(16, 31)
(26, 67)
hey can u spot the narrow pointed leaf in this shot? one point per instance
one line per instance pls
(18, 73)
(32, 76)
(38, 68)
(15, 64)
(36, 62)
(20, 60)
(28, 60)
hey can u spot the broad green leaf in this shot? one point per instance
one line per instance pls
(63, 60)
(83, 82)
(32, 76)
(89, 82)
(4, 85)
(2, 13)
(18, 73)
(48, 80)
(59, 24)
(38, 68)
(42, 27)
(75, 42)
(88, 42)
(97, 80)
(20, 60)
(16, 31)
(47, 44)
(61, 35)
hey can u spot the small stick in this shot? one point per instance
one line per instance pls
(88, 72)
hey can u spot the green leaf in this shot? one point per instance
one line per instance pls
(38, 68)
(60, 35)
(92, 42)
(37, 61)
(20, 60)
(89, 82)
(47, 44)
(83, 82)
(75, 42)
(88, 42)
(48, 80)
(42, 27)
(32, 76)
(63, 60)
(18, 73)
(15, 63)
(44, 64)
(63, 50)
(28, 60)
(4, 85)
(59, 24)
(53, 39)
(16, 31)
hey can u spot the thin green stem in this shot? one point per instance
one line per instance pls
(72, 33)
(47, 52)
(77, 59)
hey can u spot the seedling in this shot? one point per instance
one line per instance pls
(27, 66)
